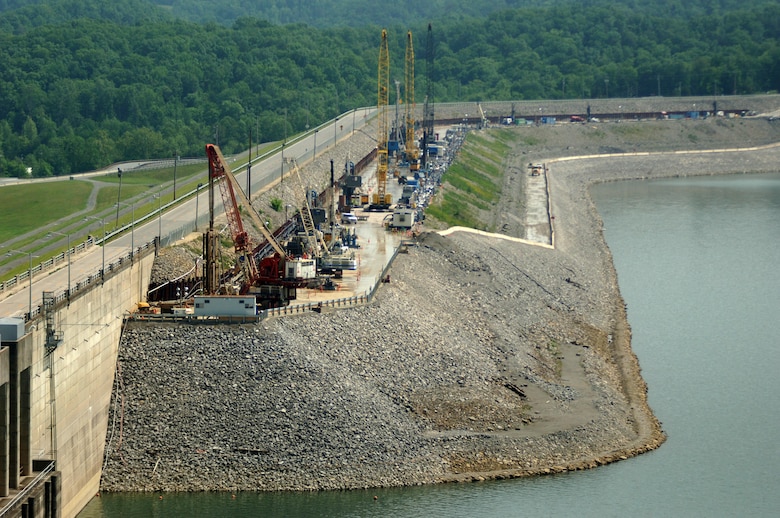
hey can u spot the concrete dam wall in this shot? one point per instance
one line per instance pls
(55, 388)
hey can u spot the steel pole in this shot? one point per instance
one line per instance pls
(29, 311)
(118, 195)
(103, 221)
(197, 200)
(103, 269)
(67, 235)
(68, 267)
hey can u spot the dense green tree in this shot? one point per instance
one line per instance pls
(88, 83)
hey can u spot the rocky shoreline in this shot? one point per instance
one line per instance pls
(484, 358)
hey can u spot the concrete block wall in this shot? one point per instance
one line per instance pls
(69, 414)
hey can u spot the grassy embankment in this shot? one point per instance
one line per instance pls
(56, 207)
(473, 182)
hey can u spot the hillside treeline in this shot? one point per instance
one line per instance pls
(338, 13)
(87, 92)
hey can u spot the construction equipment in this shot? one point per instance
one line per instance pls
(428, 117)
(316, 242)
(274, 278)
(412, 151)
(327, 260)
(381, 199)
(483, 121)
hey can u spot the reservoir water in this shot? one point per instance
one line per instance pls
(697, 263)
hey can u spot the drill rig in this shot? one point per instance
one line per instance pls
(273, 278)
(412, 151)
(382, 199)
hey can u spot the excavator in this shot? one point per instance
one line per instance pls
(273, 279)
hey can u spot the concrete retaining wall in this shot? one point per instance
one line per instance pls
(71, 385)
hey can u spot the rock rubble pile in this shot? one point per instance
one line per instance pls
(483, 358)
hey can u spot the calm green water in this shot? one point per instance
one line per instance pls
(697, 261)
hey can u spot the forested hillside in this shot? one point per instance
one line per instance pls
(103, 82)
(348, 13)
(352, 13)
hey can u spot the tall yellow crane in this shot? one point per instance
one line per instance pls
(412, 151)
(381, 199)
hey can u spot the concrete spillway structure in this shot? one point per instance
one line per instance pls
(56, 376)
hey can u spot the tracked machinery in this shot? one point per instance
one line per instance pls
(329, 261)
(272, 277)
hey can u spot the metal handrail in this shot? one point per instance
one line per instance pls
(21, 495)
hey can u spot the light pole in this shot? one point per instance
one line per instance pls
(68, 236)
(315, 143)
(197, 198)
(29, 275)
(159, 214)
(281, 174)
(118, 195)
(335, 127)
(248, 168)
(132, 227)
(175, 163)
(103, 246)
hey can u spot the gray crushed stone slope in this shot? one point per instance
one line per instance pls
(326, 401)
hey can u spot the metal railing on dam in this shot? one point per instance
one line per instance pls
(292, 309)
(85, 283)
(15, 506)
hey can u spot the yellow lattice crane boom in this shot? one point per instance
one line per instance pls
(381, 199)
(412, 151)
